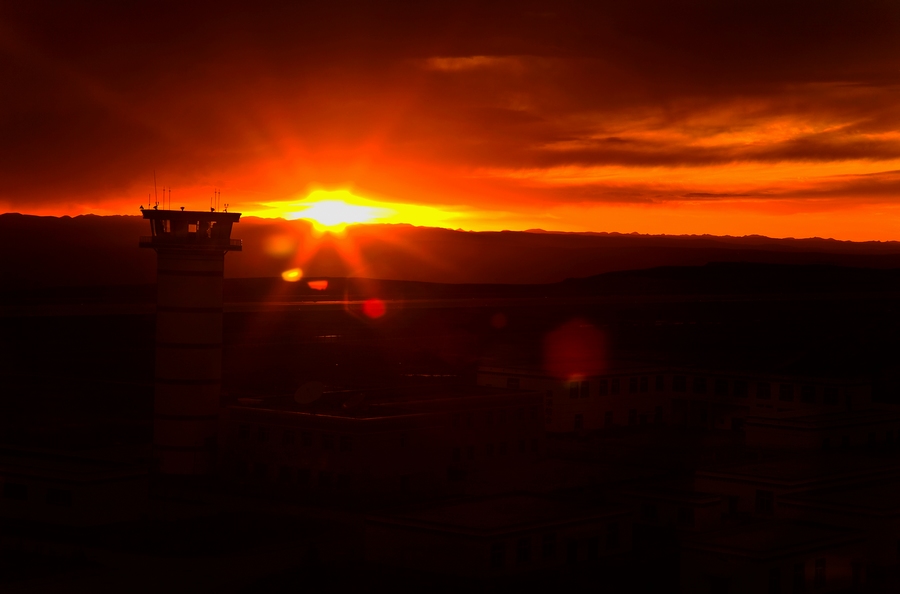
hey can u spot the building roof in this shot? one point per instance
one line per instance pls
(499, 515)
(389, 402)
(806, 471)
(773, 539)
(824, 421)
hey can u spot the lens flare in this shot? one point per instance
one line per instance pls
(575, 349)
(374, 308)
(318, 285)
(292, 275)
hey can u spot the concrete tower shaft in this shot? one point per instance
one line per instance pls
(191, 248)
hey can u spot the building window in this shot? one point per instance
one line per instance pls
(660, 383)
(579, 422)
(548, 546)
(700, 385)
(244, 431)
(457, 455)
(830, 395)
(572, 551)
(262, 435)
(60, 497)
(775, 580)
(512, 383)
(786, 392)
(658, 415)
(260, 471)
(470, 452)
(284, 474)
(608, 419)
(679, 383)
(845, 442)
(719, 585)
(645, 384)
(287, 438)
(303, 476)
(765, 501)
(522, 446)
(603, 387)
(614, 386)
(632, 417)
(327, 442)
(585, 389)
(649, 513)
(721, 386)
(593, 548)
(523, 551)
(345, 443)
(534, 446)
(489, 418)
(740, 389)
(612, 536)
(820, 573)
(306, 438)
(498, 555)
(632, 385)
(324, 479)
(489, 450)
(763, 391)
(808, 393)
(404, 440)
(686, 516)
(501, 448)
(533, 413)
(573, 389)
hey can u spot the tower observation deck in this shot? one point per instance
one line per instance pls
(190, 248)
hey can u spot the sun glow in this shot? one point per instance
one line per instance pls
(333, 210)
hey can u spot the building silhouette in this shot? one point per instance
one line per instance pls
(190, 248)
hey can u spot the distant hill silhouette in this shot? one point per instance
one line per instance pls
(94, 250)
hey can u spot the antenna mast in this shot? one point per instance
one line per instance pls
(155, 196)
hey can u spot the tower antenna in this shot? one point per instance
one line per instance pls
(155, 196)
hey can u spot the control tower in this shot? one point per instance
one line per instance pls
(190, 254)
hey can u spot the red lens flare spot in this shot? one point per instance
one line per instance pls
(319, 285)
(498, 320)
(292, 275)
(575, 349)
(374, 308)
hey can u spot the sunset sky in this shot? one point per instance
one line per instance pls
(737, 118)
